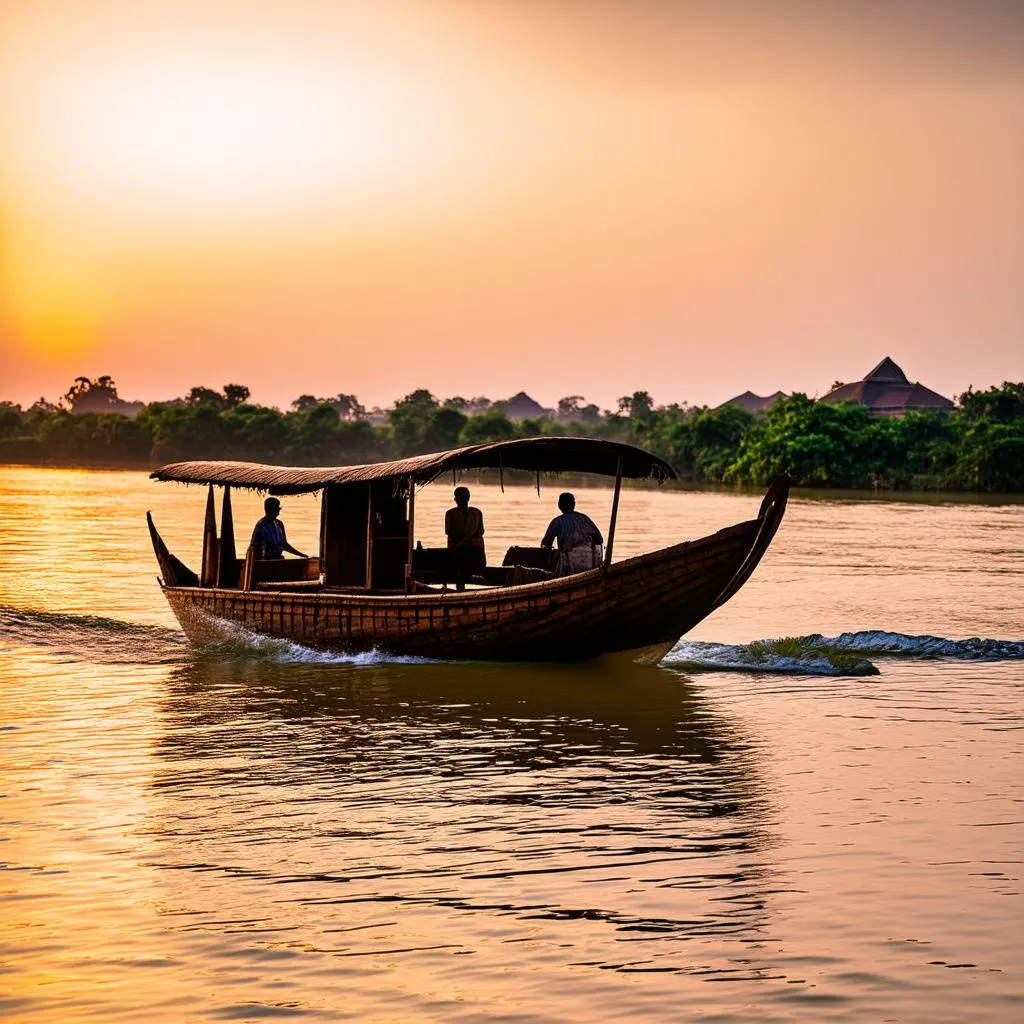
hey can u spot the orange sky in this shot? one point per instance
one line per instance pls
(577, 196)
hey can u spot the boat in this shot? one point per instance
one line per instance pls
(373, 588)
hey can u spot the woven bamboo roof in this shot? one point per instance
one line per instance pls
(541, 454)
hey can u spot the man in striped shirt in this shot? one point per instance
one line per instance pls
(579, 540)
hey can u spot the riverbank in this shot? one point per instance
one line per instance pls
(978, 447)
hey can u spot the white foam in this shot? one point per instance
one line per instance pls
(883, 642)
(710, 657)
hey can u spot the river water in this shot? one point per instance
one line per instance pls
(261, 832)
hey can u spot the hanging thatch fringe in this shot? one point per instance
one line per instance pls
(540, 454)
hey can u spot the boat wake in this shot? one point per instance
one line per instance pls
(110, 641)
(94, 638)
(848, 654)
(879, 643)
(91, 637)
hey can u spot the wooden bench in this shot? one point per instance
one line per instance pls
(520, 565)
(266, 573)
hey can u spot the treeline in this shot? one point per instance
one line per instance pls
(978, 447)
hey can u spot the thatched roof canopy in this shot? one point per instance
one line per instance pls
(541, 454)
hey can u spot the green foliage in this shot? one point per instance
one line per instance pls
(980, 446)
(1004, 405)
(444, 428)
(409, 420)
(492, 425)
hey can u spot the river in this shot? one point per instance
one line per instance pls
(258, 831)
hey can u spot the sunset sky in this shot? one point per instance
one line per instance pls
(576, 196)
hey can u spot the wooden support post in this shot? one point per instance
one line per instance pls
(208, 577)
(615, 514)
(227, 571)
(247, 569)
(369, 536)
(411, 527)
(322, 550)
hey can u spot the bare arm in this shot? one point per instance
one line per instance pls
(256, 543)
(549, 537)
(288, 547)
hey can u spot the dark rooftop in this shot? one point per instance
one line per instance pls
(754, 403)
(887, 391)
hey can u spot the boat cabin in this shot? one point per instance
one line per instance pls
(367, 518)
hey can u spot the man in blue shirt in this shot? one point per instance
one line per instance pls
(268, 538)
(579, 540)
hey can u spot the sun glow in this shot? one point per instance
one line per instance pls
(184, 131)
(124, 157)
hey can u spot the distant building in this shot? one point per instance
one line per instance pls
(887, 392)
(522, 407)
(754, 403)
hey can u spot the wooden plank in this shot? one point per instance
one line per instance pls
(369, 536)
(227, 570)
(615, 515)
(208, 575)
(412, 527)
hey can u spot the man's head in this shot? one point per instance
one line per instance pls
(272, 507)
(462, 496)
(566, 501)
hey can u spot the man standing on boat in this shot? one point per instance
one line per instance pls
(579, 540)
(268, 538)
(464, 526)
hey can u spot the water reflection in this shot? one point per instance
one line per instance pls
(590, 808)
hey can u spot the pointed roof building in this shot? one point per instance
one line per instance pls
(522, 407)
(886, 391)
(754, 403)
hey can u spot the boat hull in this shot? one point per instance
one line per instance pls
(640, 606)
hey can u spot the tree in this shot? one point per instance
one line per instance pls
(304, 402)
(79, 387)
(636, 406)
(569, 407)
(1003, 404)
(443, 428)
(492, 425)
(85, 395)
(10, 419)
(409, 420)
(991, 451)
(816, 443)
(235, 395)
(204, 396)
(349, 407)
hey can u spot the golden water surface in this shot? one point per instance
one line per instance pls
(260, 832)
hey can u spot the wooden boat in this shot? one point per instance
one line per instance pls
(371, 588)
